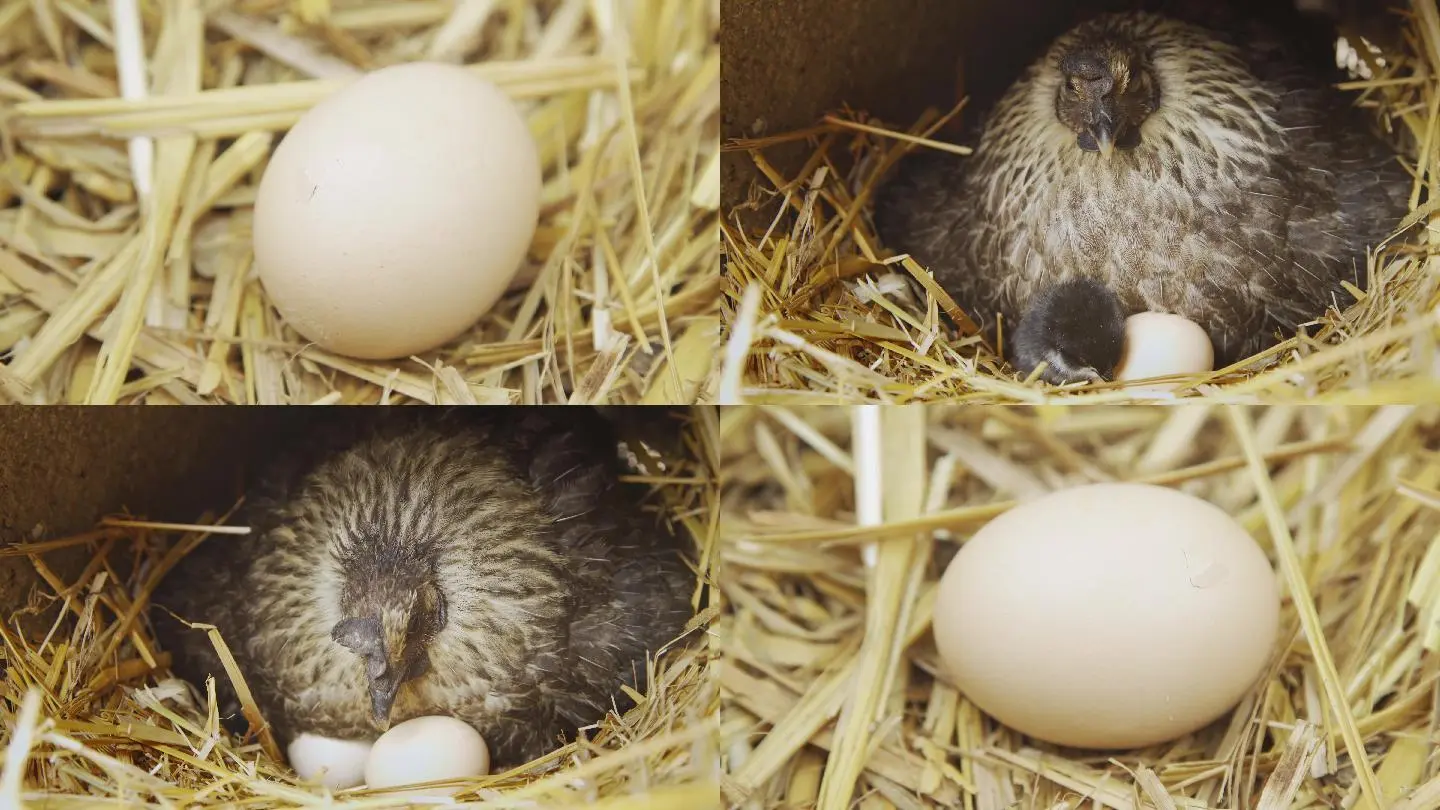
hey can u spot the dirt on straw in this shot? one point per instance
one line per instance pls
(823, 315)
(833, 696)
(89, 713)
(112, 294)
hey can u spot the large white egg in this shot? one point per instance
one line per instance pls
(426, 749)
(1108, 616)
(336, 764)
(1159, 344)
(396, 211)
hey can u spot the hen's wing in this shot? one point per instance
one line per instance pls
(1348, 189)
(922, 209)
(631, 580)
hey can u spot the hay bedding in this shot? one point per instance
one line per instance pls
(118, 290)
(822, 313)
(90, 716)
(831, 679)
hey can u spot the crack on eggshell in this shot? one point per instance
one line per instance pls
(1208, 576)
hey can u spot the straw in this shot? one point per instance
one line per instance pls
(889, 446)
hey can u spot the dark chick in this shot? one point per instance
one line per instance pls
(1216, 176)
(487, 565)
(1075, 327)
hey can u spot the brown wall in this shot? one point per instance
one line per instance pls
(64, 468)
(788, 62)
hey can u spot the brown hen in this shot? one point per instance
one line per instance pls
(1145, 163)
(487, 565)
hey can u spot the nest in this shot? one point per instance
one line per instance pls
(89, 712)
(118, 291)
(822, 313)
(1346, 500)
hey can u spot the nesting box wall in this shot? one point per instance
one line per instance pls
(787, 63)
(62, 469)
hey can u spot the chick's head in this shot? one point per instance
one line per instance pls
(1107, 91)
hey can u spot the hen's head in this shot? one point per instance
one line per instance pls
(1107, 90)
(390, 623)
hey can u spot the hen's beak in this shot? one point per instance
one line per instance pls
(1106, 142)
(376, 641)
(382, 700)
(1104, 136)
(388, 671)
(1098, 136)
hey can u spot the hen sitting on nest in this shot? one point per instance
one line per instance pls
(1150, 164)
(487, 565)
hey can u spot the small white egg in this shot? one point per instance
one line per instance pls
(336, 764)
(1158, 344)
(427, 749)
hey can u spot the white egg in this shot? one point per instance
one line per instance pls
(427, 749)
(396, 212)
(1108, 616)
(336, 764)
(1158, 344)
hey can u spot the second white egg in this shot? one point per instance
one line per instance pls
(1158, 344)
(427, 749)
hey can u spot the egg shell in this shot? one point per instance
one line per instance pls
(1108, 616)
(1158, 344)
(336, 764)
(426, 749)
(396, 211)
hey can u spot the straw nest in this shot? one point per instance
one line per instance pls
(112, 295)
(90, 714)
(832, 686)
(823, 314)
